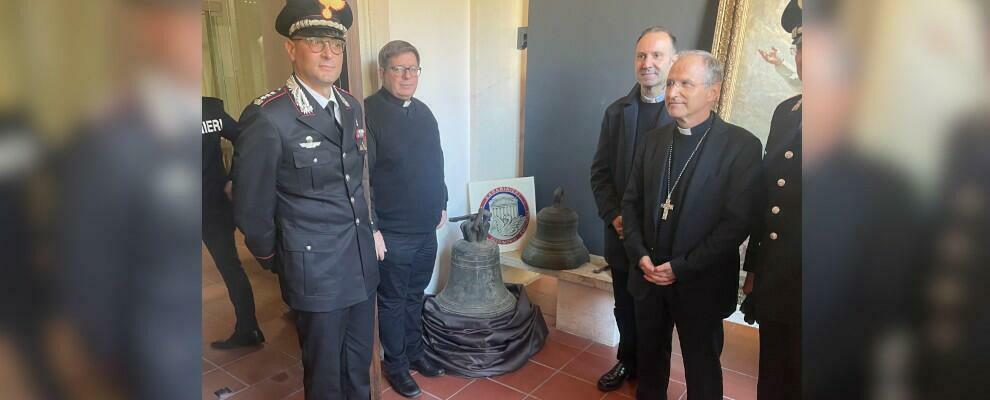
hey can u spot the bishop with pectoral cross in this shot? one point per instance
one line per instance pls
(685, 211)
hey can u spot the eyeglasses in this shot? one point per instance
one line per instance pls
(400, 70)
(318, 45)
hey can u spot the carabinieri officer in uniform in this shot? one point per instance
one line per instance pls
(218, 226)
(300, 199)
(773, 259)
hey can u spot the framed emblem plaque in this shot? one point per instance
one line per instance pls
(511, 203)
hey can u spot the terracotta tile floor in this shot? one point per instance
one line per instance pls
(566, 368)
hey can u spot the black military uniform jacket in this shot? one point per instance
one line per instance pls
(774, 252)
(299, 197)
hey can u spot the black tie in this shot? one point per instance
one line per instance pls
(333, 117)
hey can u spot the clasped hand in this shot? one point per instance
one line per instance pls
(662, 274)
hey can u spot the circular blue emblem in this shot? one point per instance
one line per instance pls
(510, 214)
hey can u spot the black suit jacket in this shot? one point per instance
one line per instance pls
(298, 194)
(714, 219)
(776, 260)
(612, 162)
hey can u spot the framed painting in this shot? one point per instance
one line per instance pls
(759, 65)
(759, 62)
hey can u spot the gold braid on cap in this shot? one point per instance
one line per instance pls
(310, 23)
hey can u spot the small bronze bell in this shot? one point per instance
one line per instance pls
(556, 244)
(474, 286)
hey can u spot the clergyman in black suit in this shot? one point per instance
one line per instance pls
(626, 120)
(686, 209)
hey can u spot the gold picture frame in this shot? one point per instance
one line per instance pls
(752, 87)
(728, 26)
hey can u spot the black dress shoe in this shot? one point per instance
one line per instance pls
(426, 368)
(403, 384)
(613, 379)
(252, 338)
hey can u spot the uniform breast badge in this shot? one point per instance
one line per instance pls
(310, 144)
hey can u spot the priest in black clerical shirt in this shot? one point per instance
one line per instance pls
(626, 121)
(406, 164)
(686, 209)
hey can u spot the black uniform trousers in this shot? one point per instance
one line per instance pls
(218, 235)
(405, 273)
(625, 316)
(780, 361)
(701, 346)
(336, 351)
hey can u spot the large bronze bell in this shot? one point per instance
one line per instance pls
(474, 286)
(556, 244)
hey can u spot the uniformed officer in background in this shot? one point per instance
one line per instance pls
(218, 225)
(773, 259)
(300, 199)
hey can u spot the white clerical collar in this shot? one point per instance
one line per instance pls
(392, 98)
(323, 101)
(647, 99)
(684, 131)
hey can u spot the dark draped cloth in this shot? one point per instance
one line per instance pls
(481, 347)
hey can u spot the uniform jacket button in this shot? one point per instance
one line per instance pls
(789, 154)
(781, 182)
(775, 210)
(357, 221)
(308, 247)
(773, 235)
(347, 177)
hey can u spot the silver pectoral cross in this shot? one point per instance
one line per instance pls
(667, 207)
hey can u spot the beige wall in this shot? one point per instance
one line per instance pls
(373, 16)
(496, 88)
(496, 69)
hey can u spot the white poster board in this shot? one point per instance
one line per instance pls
(511, 202)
